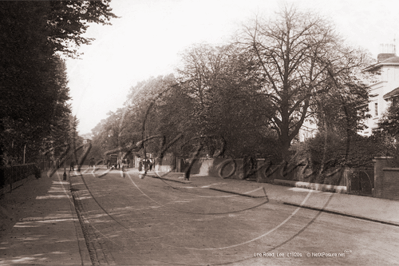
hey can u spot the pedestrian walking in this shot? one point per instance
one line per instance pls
(140, 165)
(91, 163)
(122, 164)
(72, 166)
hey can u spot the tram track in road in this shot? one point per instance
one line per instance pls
(97, 252)
(82, 191)
(181, 188)
(124, 223)
(102, 208)
(94, 235)
(95, 238)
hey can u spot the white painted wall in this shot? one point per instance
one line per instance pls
(388, 81)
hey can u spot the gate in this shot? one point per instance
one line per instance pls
(362, 181)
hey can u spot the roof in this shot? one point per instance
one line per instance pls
(394, 60)
(391, 60)
(391, 94)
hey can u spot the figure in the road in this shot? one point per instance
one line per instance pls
(140, 165)
(72, 166)
(123, 163)
(91, 163)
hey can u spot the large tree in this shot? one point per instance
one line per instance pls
(222, 86)
(67, 21)
(156, 107)
(299, 56)
(389, 123)
(136, 120)
(33, 84)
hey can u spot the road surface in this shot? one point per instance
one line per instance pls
(131, 221)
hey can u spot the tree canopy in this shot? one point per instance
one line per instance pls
(255, 93)
(67, 21)
(299, 57)
(389, 123)
(33, 83)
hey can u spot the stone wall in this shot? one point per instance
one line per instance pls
(390, 184)
(379, 164)
(211, 166)
(168, 163)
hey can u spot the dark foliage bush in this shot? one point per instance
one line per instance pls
(17, 172)
(326, 154)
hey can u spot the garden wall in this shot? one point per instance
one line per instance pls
(384, 177)
(168, 163)
(390, 184)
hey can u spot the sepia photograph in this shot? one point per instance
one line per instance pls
(199, 132)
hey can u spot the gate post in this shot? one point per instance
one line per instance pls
(379, 164)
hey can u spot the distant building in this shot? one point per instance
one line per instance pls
(308, 130)
(87, 138)
(384, 89)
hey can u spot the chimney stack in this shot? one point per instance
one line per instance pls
(386, 51)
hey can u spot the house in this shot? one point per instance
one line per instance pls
(384, 88)
(87, 138)
(308, 130)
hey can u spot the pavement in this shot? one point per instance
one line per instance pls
(361, 207)
(45, 229)
(40, 224)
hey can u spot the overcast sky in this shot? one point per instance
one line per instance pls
(151, 34)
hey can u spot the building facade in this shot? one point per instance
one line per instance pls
(384, 87)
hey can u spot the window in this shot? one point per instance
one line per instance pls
(376, 130)
(376, 109)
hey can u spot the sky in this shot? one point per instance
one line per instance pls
(150, 36)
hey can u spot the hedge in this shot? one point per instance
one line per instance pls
(12, 174)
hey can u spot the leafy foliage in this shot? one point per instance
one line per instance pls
(68, 20)
(33, 83)
(299, 57)
(332, 148)
(255, 94)
(223, 89)
(390, 121)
